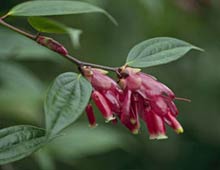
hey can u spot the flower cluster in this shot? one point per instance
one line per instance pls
(135, 96)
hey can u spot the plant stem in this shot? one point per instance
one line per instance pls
(82, 63)
(69, 57)
(17, 29)
(4, 16)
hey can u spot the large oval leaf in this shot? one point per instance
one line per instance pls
(158, 51)
(65, 101)
(47, 8)
(18, 142)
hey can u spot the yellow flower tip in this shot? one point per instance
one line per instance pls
(161, 136)
(109, 119)
(133, 121)
(93, 125)
(179, 130)
(158, 136)
(135, 131)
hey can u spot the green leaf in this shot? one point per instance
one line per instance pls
(158, 51)
(46, 25)
(17, 142)
(48, 8)
(65, 101)
(50, 26)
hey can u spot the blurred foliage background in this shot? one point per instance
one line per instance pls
(26, 70)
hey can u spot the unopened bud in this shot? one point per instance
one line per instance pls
(155, 125)
(126, 106)
(173, 122)
(133, 82)
(91, 116)
(102, 105)
(52, 44)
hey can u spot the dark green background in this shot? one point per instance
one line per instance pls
(26, 70)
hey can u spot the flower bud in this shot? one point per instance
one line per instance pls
(112, 100)
(155, 125)
(52, 44)
(153, 87)
(172, 122)
(133, 82)
(126, 106)
(91, 116)
(102, 105)
(100, 81)
(136, 108)
(159, 106)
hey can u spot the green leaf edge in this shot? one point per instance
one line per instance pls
(193, 47)
(66, 30)
(109, 16)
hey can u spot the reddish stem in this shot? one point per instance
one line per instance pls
(69, 57)
(182, 99)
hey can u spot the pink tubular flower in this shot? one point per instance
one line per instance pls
(149, 99)
(140, 96)
(102, 105)
(91, 116)
(106, 92)
(155, 125)
(128, 114)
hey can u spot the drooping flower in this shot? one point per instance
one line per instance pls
(91, 116)
(106, 92)
(138, 96)
(147, 98)
(102, 105)
(129, 113)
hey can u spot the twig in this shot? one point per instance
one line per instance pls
(69, 57)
